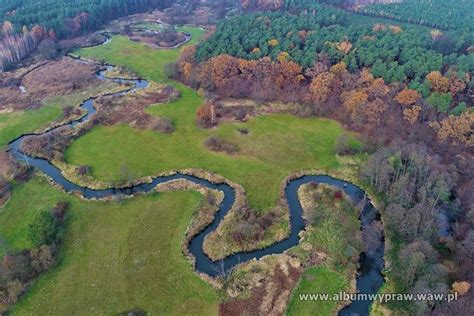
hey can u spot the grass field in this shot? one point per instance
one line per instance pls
(316, 280)
(275, 146)
(17, 123)
(14, 124)
(116, 256)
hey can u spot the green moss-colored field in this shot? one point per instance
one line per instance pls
(318, 280)
(116, 256)
(276, 145)
(17, 123)
(14, 124)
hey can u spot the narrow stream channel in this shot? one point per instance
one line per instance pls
(369, 279)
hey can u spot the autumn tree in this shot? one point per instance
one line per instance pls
(219, 70)
(407, 97)
(411, 114)
(377, 89)
(461, 287)
(438, 82)
(458, 128)
(354, 99)
(320, 87)
(435, 34)
(456, 85)
(206, 115)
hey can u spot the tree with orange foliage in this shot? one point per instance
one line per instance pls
(320, 87)
(187, 70)
(366, 113)
(187, 53)
(7, 28)
(273, 42)
(354, 99)
(456, 85)
(206, 115)
(377, 89)
(407, 97)
(219, 70)
(339, 68)
(286, 76)
(366, 76)
(438, 82)
(344, 46)
(461, 287)
(459, 128)
(283, 56)
(395, 29)
(412, 114)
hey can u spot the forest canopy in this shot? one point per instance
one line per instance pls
(398, 53)
(71, 17)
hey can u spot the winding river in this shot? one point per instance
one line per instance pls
(369, 279)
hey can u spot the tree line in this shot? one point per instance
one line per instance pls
(443, 14)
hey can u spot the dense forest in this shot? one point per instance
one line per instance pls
(69, 18)
(442, 14)
(397, 53)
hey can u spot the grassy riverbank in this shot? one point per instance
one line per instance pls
(116, 256)
(17, 123)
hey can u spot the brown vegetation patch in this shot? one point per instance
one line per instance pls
(153, 41)
(218, 144)
(43, 80)
(60, 77)
(269, 283)
(129, 108)
(82, 41)
(10, 170)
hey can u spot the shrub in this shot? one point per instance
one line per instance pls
(4, 187)
(344, 146)
(206, 116)
(44, 229)
(162, 125)
(83, 170)
(59, 211)
(218, 144)
(243, 131)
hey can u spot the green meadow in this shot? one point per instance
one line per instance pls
(275, 146)
(116, 256)
(13, 125)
